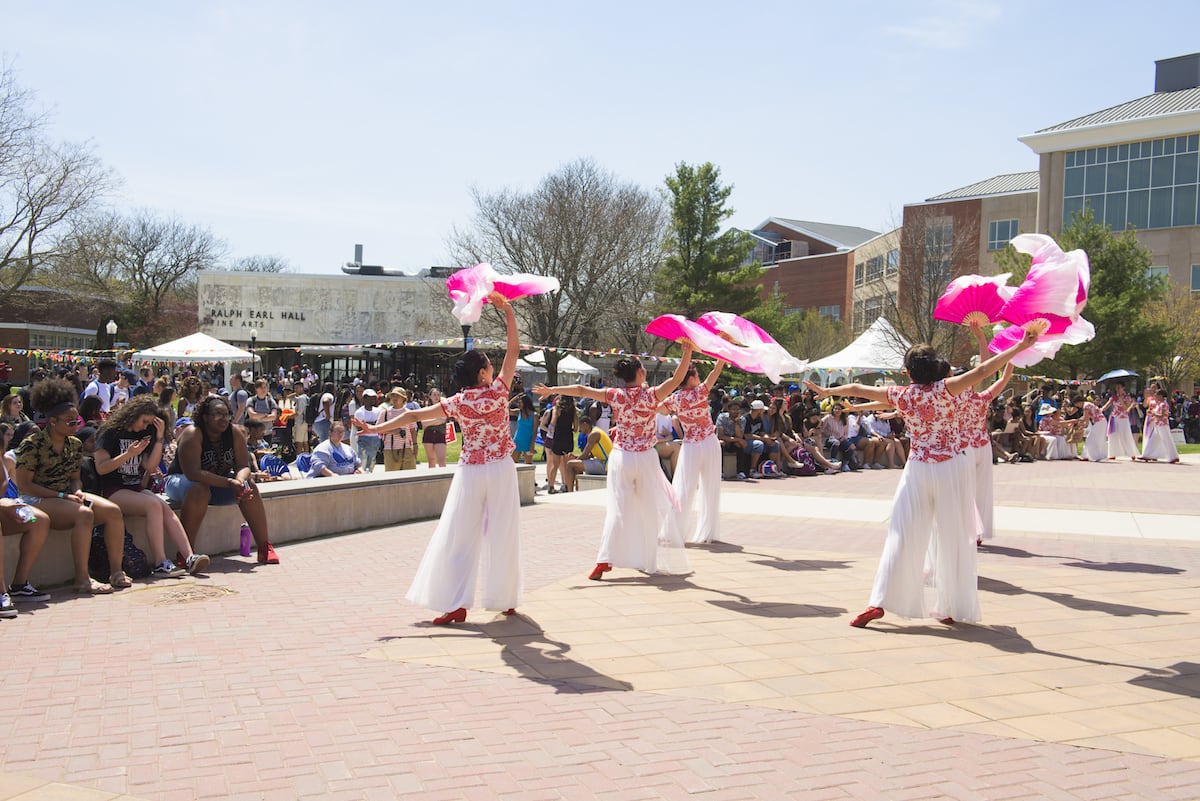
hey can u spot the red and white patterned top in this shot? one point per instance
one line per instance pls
(633, 417)
(973, 418)
(1119, 402)
(929, 413)
(691, 407)
(1092, 413)
(482, 413)
(1158, 413)
(1050, 426)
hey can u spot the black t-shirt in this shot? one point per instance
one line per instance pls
(115, 442)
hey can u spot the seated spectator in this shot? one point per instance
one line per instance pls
(48, 476)
(212, 466)
(754, 431)
(334, 457)
(884, 448)
(12, 410)
(33, 525)
(812, 440)
(593, 455)
(128, 451)
(835, 427)
(89, 411)
(729, 433)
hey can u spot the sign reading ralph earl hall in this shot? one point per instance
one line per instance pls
(322, 309)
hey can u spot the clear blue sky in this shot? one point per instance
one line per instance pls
(300, 128)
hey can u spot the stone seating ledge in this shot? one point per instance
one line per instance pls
(296, 510)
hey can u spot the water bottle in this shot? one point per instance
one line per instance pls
(247, 539)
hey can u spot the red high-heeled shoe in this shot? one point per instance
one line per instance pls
(871, 613)
(599, 570)
(457, 616)
(509, 612)
(946, 621)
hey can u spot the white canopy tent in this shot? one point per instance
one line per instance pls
(197, 348)
(566, 364)
(879, 349)
(530, 372)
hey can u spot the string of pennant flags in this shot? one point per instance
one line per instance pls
(89, 354)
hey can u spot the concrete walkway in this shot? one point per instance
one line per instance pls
(742, 680)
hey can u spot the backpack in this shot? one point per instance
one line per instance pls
(807, 467)
(133, 561)
(314, 406)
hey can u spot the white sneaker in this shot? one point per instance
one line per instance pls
(167, 569)
(755, 474)
(7, 607)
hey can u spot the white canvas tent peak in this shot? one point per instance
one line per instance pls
(879, 349)
(194, 348)
(566, 364)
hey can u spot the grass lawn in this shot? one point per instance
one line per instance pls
(1192, 448)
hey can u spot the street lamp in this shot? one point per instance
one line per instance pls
(253, 339)
(466, 336)
(111, 329)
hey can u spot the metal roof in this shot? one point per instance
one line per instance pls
(1159, 104)
(997, 185)
(840, 236)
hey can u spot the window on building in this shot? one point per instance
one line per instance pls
(832, 312)
(1000, 232)
(1150, 184)
(893, 261)
(939, 246)
(1195, 281)
(858, 316)
(1159, 272)
(874, 269)
(858, 274)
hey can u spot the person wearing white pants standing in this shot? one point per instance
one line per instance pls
(639, 497)
(977, 441)
(1156, 436)
(936, 489)
(1120, 436)
(698, 473)
(481, 511)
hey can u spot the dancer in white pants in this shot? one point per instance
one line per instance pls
(698, 473)
(936, 490)
(977, 438)
(481, 511)
(1120, 436)
(639, 497)
(1156, 436)
(1095, 445)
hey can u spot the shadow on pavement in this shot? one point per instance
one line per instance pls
(1184, 681)
(784, 610)
(771, 560)
(543, 660)
(1070, 601)
(1069, 561)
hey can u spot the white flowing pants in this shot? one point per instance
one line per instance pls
(981, 460)
(1095, 447)
(639, 500)
(480, 515)
(1120, 438)
(698, 478)
(938, 497)
(1157, 444)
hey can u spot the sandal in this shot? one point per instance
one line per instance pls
(119, 580)
(93, 587)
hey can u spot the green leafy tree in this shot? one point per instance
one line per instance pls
(704, 269)
(1122, 292)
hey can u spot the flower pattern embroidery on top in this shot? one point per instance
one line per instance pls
(929, 413)
(1158, 414)
(633, 417)
(1092, 413)
(482, 414)
(1118, 406)
(691, 407)
(973, 422)
(1050, 426)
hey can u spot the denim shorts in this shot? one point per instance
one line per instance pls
(177, 486)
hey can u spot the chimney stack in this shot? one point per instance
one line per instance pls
(1175, 74)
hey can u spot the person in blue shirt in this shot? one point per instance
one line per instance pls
(334, 457)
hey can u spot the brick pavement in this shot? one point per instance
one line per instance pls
(315, 679)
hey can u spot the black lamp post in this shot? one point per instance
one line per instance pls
(466, 336)
(253, 359)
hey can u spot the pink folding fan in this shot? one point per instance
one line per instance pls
(974, 299)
